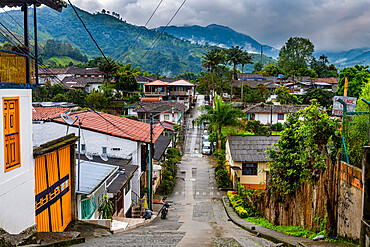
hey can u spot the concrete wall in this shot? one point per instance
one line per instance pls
(177, 117)
(350, 201)
(17, 187)
(264, 118)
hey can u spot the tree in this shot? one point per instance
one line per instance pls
(211, 61)
(271, 70)
(108, 67)
(233, 56)
(295, 55)
(97, 101)
(245, 58)
(125, 79)
(322, 69)
(59, 98)
(220, 115)
(357, 77)
(263, 91)
(283, 95)
(257, 67)
(323, 97)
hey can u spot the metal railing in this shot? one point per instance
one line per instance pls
(156, 93)
(13, 68)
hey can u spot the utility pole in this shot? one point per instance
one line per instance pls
(271, 121)
(150, 166)
(26, 42)
(36, 48)
(261, 55)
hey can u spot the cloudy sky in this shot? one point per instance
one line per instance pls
(329, 24)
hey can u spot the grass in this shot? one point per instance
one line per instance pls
(296, 231)
(229, 130)
(63, 60)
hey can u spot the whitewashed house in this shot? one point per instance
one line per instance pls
(108, 135)
(268, 113)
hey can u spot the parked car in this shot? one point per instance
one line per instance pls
(207, 148)
(205, 137)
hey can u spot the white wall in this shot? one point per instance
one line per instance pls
(17, 187)
(264, 118)
(127, 199)
(94, 141)
(177, 117)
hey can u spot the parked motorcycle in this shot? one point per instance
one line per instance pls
(164, 210)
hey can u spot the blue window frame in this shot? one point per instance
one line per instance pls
(104, 150)
(280, 116)
(83, 147)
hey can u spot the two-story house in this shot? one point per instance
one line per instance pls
(180, 90)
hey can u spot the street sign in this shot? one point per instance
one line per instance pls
(338, 107)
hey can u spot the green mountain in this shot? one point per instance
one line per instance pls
(221, 36)
(348, 58)
(169, 56)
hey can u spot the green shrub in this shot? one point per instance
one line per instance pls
(241, 212)
(223, 178)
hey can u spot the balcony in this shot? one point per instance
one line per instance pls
(179, 93)
(13, 70)
(155, 94)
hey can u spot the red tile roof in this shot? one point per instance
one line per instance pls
(45, 113)
(156, 83)
(115, 126)
(181, 83)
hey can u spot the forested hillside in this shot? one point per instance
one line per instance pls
(170, 56)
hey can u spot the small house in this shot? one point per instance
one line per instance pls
(247, 160)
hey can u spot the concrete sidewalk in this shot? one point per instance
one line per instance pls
(274, 236)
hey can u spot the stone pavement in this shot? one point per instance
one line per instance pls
(274, 236)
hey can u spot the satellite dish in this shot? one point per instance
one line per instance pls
(89, 155)
(66, 118)
(104, 157)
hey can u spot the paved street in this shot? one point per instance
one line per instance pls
(196, 216)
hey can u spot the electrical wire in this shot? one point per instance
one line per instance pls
(132, 44)
(87, 30)
(151, 46)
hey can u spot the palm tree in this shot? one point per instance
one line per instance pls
(211, 61)
(245, 58)
(233, 56)
(109, 68)
(219, 115)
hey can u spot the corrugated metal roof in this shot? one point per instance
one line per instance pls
(92, 175)
(250, 148)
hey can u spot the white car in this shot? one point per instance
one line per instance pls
(205, 137)
(206, 148)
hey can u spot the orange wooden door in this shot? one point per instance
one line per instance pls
(52, 189)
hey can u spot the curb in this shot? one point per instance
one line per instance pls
(255, 232)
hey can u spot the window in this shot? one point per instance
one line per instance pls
(249, 169)
(83, 147)
(116, 149)
(166, 117)
(280, 116)
(11, 133)
(104, 150)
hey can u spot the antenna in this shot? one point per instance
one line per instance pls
(66, 118)
(104, 157)
(89, 155)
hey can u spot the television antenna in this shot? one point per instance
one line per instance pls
(104, 157)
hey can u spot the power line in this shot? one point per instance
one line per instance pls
(132, 44)
(74, 9)
(162, 30)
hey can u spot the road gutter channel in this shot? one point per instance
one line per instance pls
(255, 232)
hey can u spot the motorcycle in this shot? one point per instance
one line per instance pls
(164, 210)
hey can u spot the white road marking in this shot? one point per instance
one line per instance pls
(211, 193)
(176, 193)
(197, 193)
